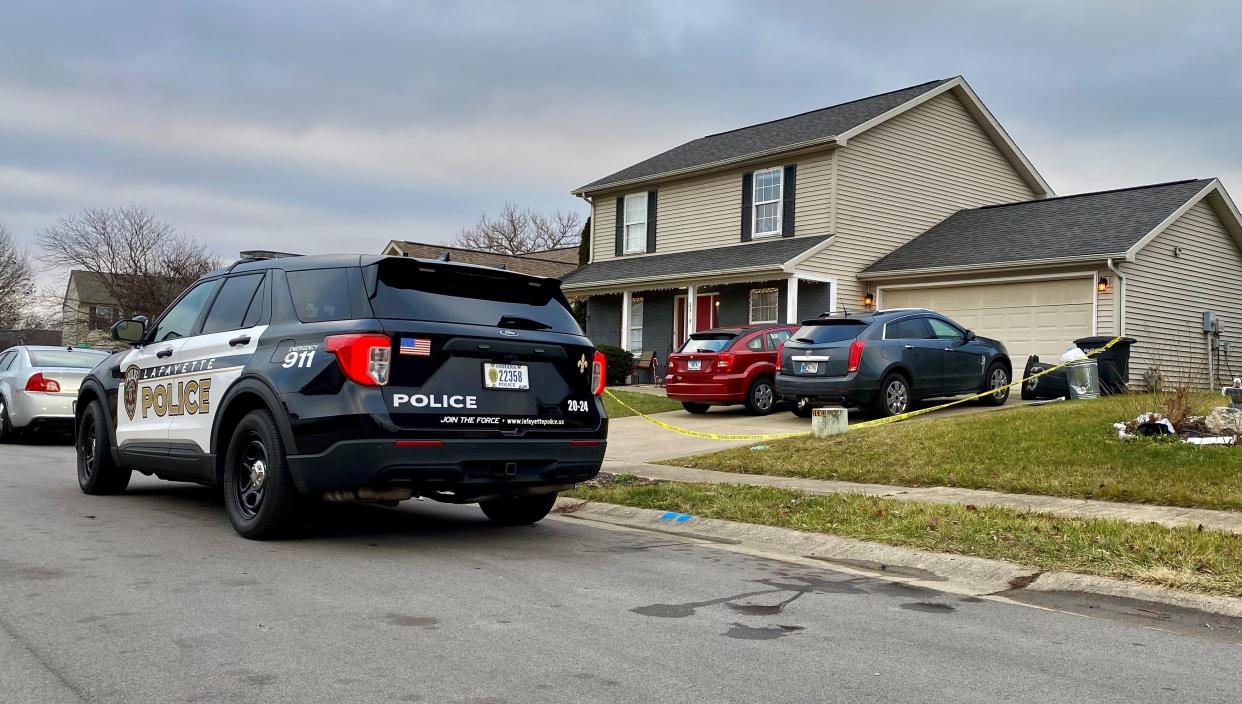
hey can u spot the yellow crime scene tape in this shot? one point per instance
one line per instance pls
(855, 426)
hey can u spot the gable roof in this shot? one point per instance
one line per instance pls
(1069, 228)
(719, 261)
(831, 125)
(92, 287)
(552, 263)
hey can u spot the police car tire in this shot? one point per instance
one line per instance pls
(98, 473)
(279, 512)
(518, 510)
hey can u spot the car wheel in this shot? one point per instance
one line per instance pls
(98, 473)
(259, 495)
(695, 408)
(518, 510)
(803, 408)
(6, 428)
(761, 398)
(997, 377)
(894, 396)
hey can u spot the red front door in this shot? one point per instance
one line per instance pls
(706, 315)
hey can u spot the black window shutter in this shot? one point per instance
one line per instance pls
(748, 196)
(787, 200)
(620, 226)
(651, 221)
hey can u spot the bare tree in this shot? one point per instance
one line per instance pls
(141, 260)
(16, 280)
(518, 231)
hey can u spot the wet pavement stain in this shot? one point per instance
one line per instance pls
(689, 608)
(929, 607)
(741, 631)
(427, 622)
(763, 609)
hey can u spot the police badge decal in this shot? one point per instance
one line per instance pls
(131, 391)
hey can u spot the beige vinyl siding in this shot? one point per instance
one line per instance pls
(900, 178)
(1167, 295)
(706, 211)
(1106, 306)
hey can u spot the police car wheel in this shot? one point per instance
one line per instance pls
(98, 473)
(518, 510)
(259, 495)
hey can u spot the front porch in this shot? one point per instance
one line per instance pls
(659, 318)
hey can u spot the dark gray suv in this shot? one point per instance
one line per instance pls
(886, 360)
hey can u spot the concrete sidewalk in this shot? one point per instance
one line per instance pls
(1076, 508)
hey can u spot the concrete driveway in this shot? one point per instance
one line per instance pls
(634, 439)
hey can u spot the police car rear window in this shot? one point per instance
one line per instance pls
(320, 294)
(413, 290)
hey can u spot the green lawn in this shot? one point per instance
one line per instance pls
(1065, 449)
(644, 403)
(1181, 558)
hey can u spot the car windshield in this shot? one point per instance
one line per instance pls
(414, 290)
(76, 359)
(707, 342)
(829, 331)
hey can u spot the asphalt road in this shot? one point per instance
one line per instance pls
(150, 597)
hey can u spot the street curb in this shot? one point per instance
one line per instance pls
(959, 574)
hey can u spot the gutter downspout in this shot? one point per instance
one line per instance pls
(1121, 296)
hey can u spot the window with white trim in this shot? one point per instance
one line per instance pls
(765, 305)
(767, 202)
(636, 325)
(635, 223)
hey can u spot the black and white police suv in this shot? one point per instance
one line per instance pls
(351, 378)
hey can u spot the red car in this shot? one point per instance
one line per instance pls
(726, 366)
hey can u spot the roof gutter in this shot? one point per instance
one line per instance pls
(992, 266)
(672, 281)
(733, 161)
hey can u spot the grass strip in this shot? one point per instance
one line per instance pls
(1204, 561)
(644, 403)
(1065, 449)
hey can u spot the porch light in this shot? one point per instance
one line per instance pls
(1102, 284)
(869, 298)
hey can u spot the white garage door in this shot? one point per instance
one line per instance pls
(1030, 317)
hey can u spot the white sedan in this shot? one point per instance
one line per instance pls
(38, 386)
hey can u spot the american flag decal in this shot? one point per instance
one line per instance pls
(416, 346)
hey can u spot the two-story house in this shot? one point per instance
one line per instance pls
(914, 198)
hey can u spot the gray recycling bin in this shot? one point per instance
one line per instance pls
(1084, 378)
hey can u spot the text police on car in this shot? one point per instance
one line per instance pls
(351, 378)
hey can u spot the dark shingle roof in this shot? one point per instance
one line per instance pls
(721, 260)
(1083, 225)
(767, 136)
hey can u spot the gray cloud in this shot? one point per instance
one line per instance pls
(336, 126)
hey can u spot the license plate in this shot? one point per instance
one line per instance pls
(512, 377)
(808, 367)
(694, 365)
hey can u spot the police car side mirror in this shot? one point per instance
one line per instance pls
(131, 331)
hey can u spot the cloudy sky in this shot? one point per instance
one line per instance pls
(336, 126)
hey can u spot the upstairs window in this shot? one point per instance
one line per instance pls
(102, 317)
(636, 223)
(764, 305)
(767, 202)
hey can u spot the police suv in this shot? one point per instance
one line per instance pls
(351, 378)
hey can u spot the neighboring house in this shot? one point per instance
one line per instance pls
(553, 263)
(88, 311)
(896, 201)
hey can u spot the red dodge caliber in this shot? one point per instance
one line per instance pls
(726, 366)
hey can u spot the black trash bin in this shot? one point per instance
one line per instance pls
(1054, 384)
(1114, 362)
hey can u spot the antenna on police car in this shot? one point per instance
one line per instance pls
(255, 254)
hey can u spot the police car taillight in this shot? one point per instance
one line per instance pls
(364, 358)
(597, 374)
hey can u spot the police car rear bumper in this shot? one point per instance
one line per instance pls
(464, 466)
